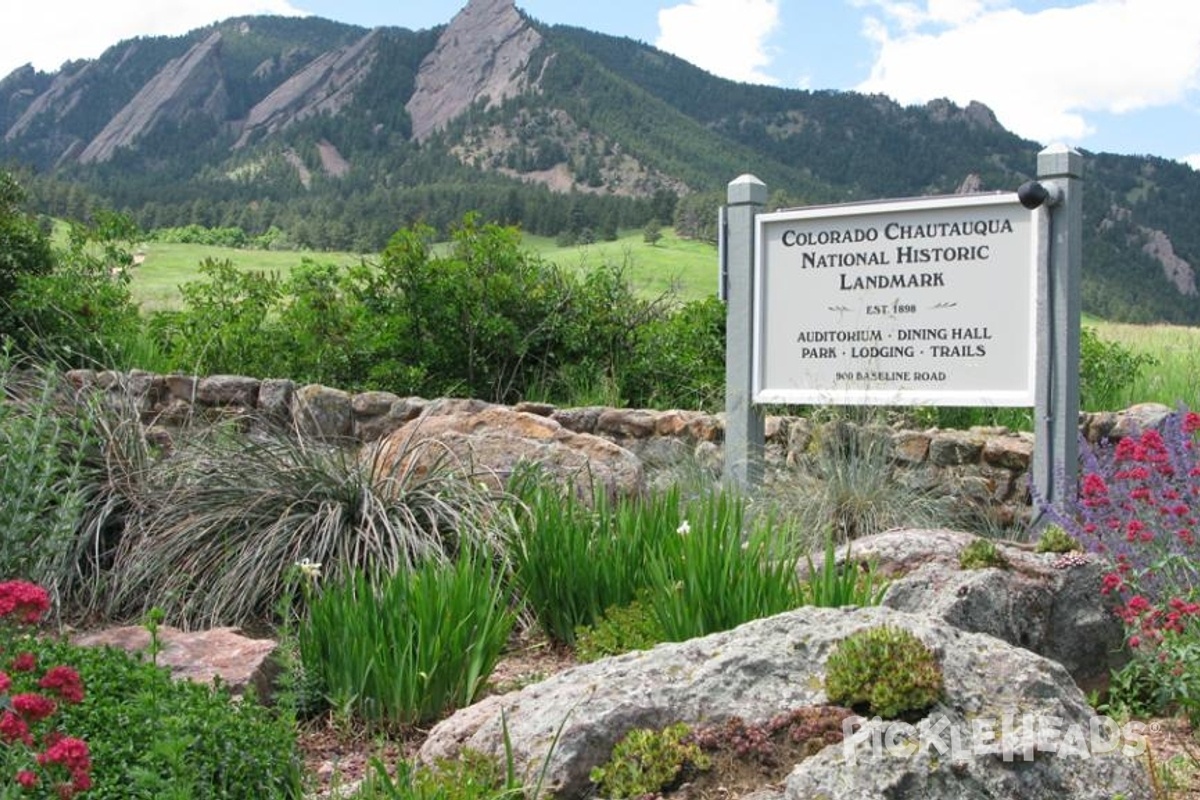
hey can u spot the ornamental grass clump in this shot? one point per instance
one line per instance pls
(234, 512)
(1139, 509)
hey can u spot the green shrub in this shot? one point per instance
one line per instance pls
(81, 313)
(646, 762)
(982, 554)
(403, 649)
(152, 738)
(1056, 540)
(885, 670)
(621, 629)
(1107, 370)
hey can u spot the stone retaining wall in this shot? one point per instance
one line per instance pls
(985, 466)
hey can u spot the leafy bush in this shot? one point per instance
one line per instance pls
(885, 670)
(226, 325)
(1138, 510)
(24, 247)
(234, 512)
(81, 313)
(621, 629)
(403, 649)
(1107, 370)
(646, 762)
(153, 738)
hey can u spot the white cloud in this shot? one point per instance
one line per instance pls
(1193, 161)
(725, 37)
(48, 32)
(1042, 73)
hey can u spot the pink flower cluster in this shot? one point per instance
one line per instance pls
(1139, 507)
(65, 760)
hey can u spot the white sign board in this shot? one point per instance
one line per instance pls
(928, 301)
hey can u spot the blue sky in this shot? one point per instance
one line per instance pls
(1118, 76)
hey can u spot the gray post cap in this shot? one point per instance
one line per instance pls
(746, 189)
(1059, 161)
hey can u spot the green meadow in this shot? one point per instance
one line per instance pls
(686, 269)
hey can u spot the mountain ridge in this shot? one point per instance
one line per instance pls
(339, 134)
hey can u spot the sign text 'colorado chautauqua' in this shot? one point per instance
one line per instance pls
(926, 301)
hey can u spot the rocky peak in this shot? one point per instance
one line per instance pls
(325, 85)
(484, 51)
(192, 82)
(1179, 272)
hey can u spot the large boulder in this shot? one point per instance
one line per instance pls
(494, 440)
(1049, 603)
(569, 723)
(222, 654)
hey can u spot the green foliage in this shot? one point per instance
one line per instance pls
(848, 584)
(885, 669)
(473, 776)
(1056, 540)
(228, 515)
(646, 762)
(1107, 370)
(226, 327)
(722, 569)
(622, 629)
(81, 313)
(151, 737)
(982, 554)
(652, 232)
(24, 247)
(43, 475)
(573, 559)
(405, 648)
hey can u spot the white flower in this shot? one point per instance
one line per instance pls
(309, 569)
(684, 528)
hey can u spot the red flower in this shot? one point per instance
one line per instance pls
(64, 682)
(1191, 422)
(13, 729)
(1139, 604)
(27, 779)
(27, 600)
(33, 707)
(24, 662)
